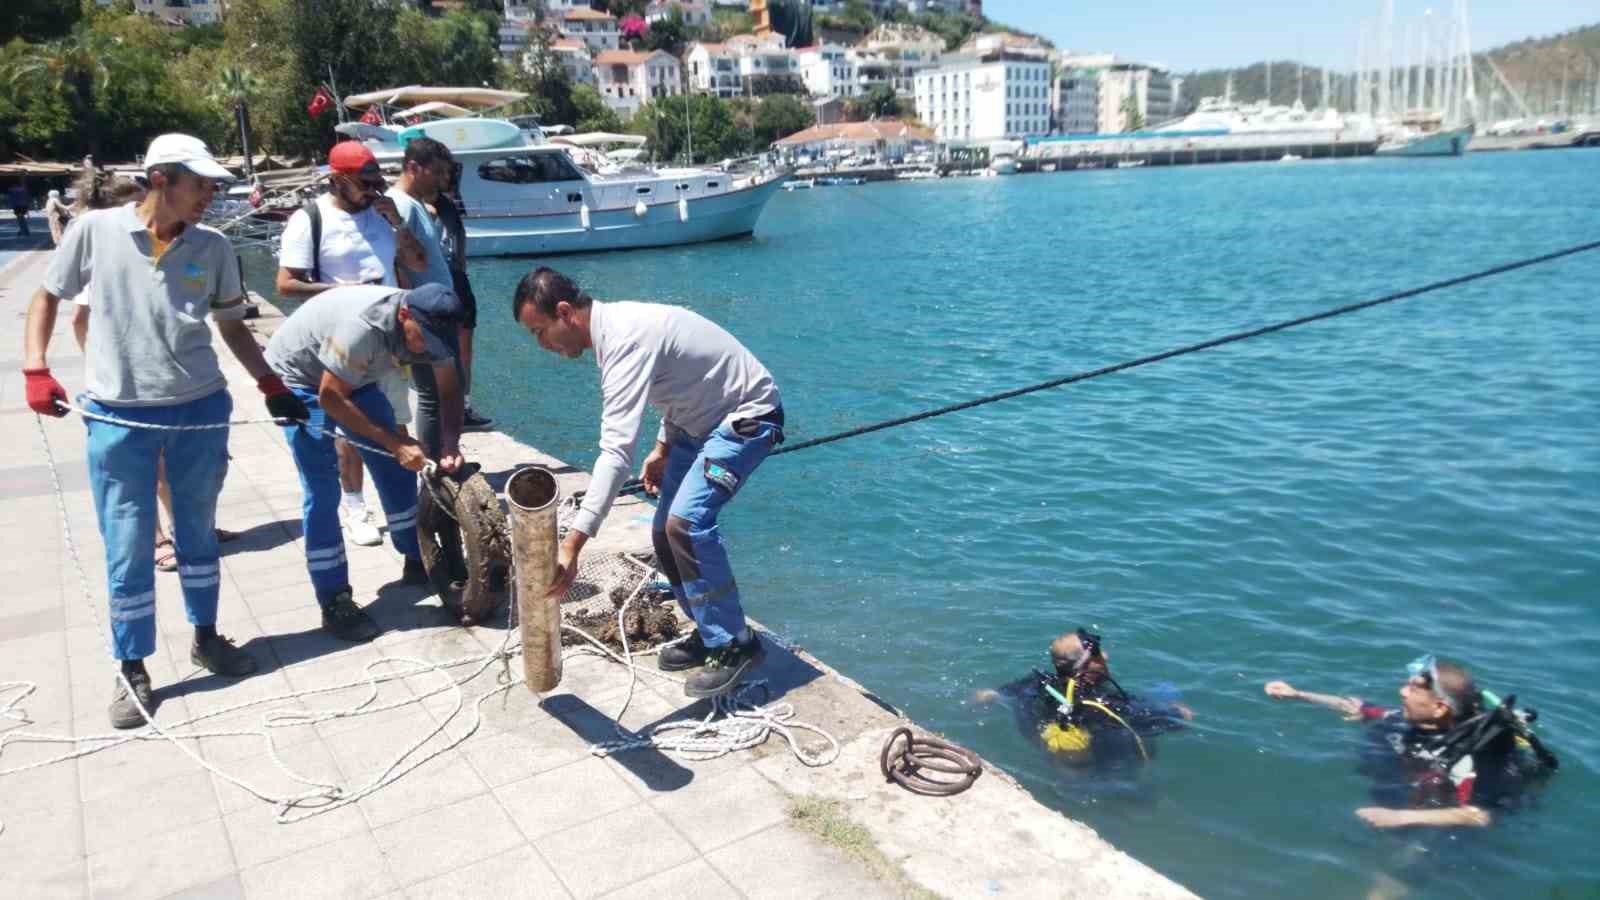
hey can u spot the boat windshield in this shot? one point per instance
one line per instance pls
(529, 169)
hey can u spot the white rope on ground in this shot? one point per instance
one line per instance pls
(747, 725)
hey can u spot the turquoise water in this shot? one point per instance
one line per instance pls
(1321, 505)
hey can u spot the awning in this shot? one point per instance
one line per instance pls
(481, 98)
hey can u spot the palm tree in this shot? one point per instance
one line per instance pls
(234, 88)
(75, 66)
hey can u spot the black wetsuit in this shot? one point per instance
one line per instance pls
(1110, 742)
(1408, 772)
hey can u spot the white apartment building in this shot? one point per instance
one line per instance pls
(714, 69)
(827, 70)
(695, 15)
(593, 27)
(575, 58)
(181, 12)
(756, 61)
(985, 98)
(628, 79)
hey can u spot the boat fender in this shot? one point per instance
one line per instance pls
(683, 209)
(461, 529)
(639, 209)
(583, 217)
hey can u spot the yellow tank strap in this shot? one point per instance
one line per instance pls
(1119, 720)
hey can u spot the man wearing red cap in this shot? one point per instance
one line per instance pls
(352, 234)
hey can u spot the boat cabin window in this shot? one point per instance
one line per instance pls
(530, 169)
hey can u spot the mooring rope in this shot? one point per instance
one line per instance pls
(634, 486)
(708, 740)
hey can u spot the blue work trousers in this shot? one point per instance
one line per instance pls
(123, 462)
(700, 479)
(315, 457)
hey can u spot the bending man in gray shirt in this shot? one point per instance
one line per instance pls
(721, 416)
(334, 353)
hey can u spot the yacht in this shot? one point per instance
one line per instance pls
(525, 193)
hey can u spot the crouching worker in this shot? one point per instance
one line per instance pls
(720, 417)
(1448, 756)
(334, 353)
(1080, 712)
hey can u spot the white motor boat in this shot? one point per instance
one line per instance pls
(522, 195)
(799, 184)
(924, 173)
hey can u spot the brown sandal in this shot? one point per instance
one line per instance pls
(166, 556)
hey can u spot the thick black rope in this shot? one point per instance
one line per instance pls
(635, 486)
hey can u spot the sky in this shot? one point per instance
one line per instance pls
(1186, 35)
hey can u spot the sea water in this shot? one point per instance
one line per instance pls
(1320, 505)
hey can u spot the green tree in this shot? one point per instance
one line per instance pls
(591, 112)
(707, 123)
(669, 34)
(458, 48)
(780, 116)
(234, 88)
(1132, 118)
(73, 67)
(39, 20)
(540, 75)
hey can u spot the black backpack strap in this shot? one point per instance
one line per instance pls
(314, 212)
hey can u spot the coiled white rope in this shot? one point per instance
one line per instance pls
(746, 725)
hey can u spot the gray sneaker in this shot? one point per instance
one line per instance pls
(124, 712)
(219, 656)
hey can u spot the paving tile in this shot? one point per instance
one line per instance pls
(713, 812)
(308, 759)
(162, 863)
(561, 798)
(509, 757)
(40, 839)
(120, 768)
(229, 888)
(431, 785)
(155, 807)
(614, 851)
(783, 863)
(517, 873)
(259, 838)
(442, 839)
(347, 868)
(63, 881)
(50, 787)
(696, 879)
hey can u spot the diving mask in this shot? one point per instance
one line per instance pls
(1426, 667)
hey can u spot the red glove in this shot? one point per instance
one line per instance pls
(45, 392)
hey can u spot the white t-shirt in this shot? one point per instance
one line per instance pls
(355, 248)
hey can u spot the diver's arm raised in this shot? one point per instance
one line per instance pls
(1349, 707)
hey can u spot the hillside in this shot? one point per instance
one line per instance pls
(1533, 66)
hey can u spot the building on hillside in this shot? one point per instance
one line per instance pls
(181, 12)
(714, 69)
(1004, 42)
(746, 42)
(1092, 94)
(828, 110)
(827, 70)
(575, 59)
(1076, 101)
(905, 42)
(878, 7)
(695, 15)
(593, 27)
(983, 98)
(882, 138)
(1149, 88)
(762, 61)
(628, 79)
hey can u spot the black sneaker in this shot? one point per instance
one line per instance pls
(414, 572)
(124, 712)
(686, 654)
(346, 621)
(726, 666)
(471, 421)
(217, 655)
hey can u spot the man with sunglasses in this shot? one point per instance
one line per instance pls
(1426, 776)
(357, 236)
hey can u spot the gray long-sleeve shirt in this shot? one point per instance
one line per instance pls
(676, 360)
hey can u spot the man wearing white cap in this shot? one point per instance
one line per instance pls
(158, 275)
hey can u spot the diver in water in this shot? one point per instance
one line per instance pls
(1080, 711)
(1447, 756)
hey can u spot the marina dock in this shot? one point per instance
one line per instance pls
(506, 797)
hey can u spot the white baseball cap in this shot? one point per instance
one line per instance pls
(189, 152)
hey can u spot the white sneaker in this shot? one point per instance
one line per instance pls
(358, 525)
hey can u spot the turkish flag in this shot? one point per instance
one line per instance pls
(319, 103)
(371, 116)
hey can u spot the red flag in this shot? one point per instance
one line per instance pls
(371, 116)
(319, 103)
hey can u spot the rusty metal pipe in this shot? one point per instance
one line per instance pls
(533, 496)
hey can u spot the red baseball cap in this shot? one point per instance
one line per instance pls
(351, 158)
